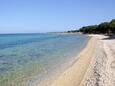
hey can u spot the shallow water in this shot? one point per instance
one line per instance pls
(24, 56)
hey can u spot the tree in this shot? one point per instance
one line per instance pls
(88, 29)
(103, 28)
(112, 26)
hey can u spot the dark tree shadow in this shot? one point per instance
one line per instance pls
(109, 37)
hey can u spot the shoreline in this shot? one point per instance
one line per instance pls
(94, 66)
(73, 75)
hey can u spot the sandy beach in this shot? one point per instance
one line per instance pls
(74, 74)
(95, 66)
(101, 71)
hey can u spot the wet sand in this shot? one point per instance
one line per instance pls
(75, 74)
(95, 65)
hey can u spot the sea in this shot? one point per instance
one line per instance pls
(26, 59)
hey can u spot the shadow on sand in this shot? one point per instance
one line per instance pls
(109, 37)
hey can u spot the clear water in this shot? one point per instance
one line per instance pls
(23, 56)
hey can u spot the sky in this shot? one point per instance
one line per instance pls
(37, 16)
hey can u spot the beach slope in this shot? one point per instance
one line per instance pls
(75, 73)
(101, 71)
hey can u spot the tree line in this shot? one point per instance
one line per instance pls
(102, 28)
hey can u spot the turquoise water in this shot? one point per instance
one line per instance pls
(24, 56)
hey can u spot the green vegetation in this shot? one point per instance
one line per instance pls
(73, 31)
(103, 28)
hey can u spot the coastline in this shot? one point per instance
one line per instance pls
(28, 70)
(95, 65)
(74, 74)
